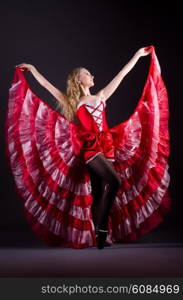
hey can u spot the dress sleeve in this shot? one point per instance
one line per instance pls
(141, 160)
(43, 154)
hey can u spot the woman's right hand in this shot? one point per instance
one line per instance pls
(26, 67)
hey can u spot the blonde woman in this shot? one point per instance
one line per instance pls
(85, 112)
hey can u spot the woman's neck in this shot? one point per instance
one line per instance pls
(86, 91)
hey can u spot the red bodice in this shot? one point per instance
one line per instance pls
(92, 116)
(96, 135)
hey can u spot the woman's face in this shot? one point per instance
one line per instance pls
(85, 78)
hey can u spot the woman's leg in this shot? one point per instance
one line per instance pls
(105, 184)
(98, 186)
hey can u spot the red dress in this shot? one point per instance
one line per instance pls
(48, 156)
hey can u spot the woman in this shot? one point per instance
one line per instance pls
(93, 142)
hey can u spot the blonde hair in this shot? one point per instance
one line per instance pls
(72, 95)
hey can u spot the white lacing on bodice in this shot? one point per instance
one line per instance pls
(95, 110)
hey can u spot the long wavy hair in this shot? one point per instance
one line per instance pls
(72, 95)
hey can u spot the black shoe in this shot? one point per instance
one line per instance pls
(101, 239)
(106, 244)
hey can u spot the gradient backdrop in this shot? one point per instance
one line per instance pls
(57, 36)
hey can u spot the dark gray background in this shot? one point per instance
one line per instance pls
(57, 36)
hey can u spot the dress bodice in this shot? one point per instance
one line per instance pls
(92, 115)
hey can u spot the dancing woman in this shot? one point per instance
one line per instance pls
(67, 216)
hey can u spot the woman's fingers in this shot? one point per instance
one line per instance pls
(23, 67)
(145, 51)
(20, 67)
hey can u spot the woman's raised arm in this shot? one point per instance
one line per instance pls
(107, 91)
(43, 81)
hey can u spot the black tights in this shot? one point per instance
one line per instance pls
(105, 184)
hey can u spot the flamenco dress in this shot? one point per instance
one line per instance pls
(48, 157)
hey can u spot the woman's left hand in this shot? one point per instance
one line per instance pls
(144, 51)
